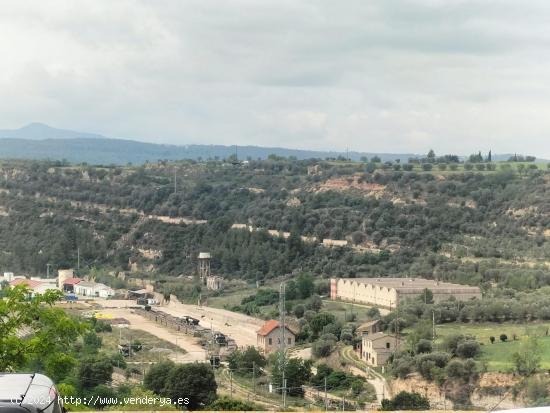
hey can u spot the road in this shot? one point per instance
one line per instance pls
(239, 327)
(380, 384)
(194, 352)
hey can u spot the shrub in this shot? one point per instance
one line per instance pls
(225, 403)
(299, 311)
(426, 364)
(423, 346)
(468, 349)
(406, 401)
(155, 378)
(503, 337)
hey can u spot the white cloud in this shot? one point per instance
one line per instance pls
(401, 76)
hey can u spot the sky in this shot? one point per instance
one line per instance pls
(457, 76)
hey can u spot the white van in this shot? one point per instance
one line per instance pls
(28, 393)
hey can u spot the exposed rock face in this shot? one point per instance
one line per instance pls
(492, 389)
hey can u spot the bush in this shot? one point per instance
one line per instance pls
(426, 364)
(323, 347)
(402, 365)
(194, 381)
(406, 401)
(503, 338)
(155, 378)
(468, 349)
(427, 166)
(423, 346)
(373, 313)
(225, 403)
(299, 311)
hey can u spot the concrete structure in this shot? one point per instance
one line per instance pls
(63, 275)
(388, 292)
(377, 348)
(204, 265)
(92, 289)
(8, 276)
(270, 336)
(214, 282)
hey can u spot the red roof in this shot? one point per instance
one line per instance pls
(24, 281)
(71, 281)
(269, 326)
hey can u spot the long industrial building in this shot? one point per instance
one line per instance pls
(388, 292)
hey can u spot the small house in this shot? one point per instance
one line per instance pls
(378, 347)
(270, 337)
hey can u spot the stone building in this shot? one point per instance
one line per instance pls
(270, 337)
(388, 292)
(377, 348)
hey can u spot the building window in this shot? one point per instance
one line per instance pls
(387, 345)
(278, 340)
(289, 340)
(270, 341)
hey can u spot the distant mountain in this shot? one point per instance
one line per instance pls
(40, 131)
(39, 141)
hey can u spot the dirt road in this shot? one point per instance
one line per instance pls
(239, 327)
(190, 344)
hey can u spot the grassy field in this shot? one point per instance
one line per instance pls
(340, 309)
(154, 348)
(498, 356)
(231, 298)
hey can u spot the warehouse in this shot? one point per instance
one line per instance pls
(387, 292)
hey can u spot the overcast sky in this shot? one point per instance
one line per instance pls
(380, 76)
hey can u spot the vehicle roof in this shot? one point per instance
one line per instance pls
(14, 386)
(24, 387)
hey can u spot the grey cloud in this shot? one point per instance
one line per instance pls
(379, 76)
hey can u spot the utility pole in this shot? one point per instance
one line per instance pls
(175, 179)
(396, 327)
(326, 400)
(231, 383)
(78, 258)
(282, 311)
(433, 326)
(48, 272)
(254, 378)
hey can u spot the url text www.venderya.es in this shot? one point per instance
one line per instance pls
(103, 401)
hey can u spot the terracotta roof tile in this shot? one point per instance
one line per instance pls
(24, 281)
(269, 326)
(71, 281)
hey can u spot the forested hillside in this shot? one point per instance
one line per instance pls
(462, 222)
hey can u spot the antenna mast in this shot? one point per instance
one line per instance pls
(282, 312)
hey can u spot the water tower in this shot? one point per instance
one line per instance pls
(204, 265)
